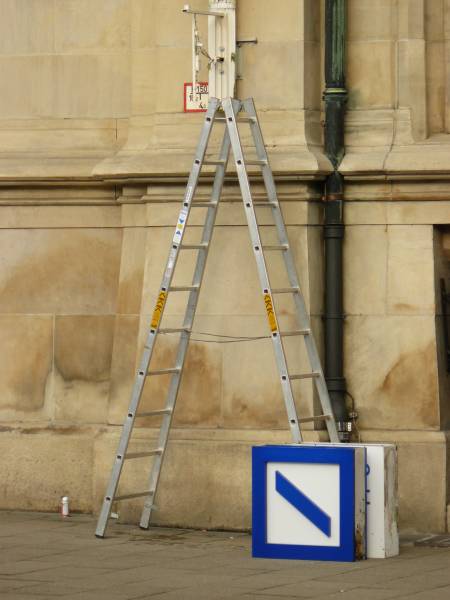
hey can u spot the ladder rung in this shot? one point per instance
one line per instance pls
(136, 495)
(175, 330)
(213, 162)
(238, 119)
(260, 163)
(203, 204)
(305, 375)
(184, 288)
(315, 418)
(144, 454)
(194, 246)
(289, 290)
(155, 413)
(164, 371)
(295, 332)
(283, 247)
(266, 204)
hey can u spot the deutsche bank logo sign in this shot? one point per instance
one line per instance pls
(309, 502)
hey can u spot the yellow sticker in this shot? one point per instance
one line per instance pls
(270, 313)
(158, 310)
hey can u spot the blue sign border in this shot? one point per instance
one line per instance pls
(345, 458)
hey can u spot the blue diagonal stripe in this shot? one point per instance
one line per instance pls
(303, 504)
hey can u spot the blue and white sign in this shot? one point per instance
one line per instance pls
(382, 498)
(309, 502)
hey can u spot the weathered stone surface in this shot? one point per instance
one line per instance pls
(123, 366)
(82, 367)
(131, 271)
(62, 271)
(39, 466)
(108, 25)
(410, 271)
(392, 368)
(422, 475)
(366, 249)
(200, 505)
(26, 348)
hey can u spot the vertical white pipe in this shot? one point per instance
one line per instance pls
(222, 34)
(194, 60)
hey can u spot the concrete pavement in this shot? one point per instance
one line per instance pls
(44, 556)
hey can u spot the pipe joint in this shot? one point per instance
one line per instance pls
(336, 384)
(334, 231)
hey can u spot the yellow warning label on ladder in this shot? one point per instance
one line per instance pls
(158, 309)
(270, 313)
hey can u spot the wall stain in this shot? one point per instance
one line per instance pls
(24, 374)
(411, 386)
(199, 398)
(266, 411)
(83, 347)
(62, 278)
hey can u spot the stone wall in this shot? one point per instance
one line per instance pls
(94, 151)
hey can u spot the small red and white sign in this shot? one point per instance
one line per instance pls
(200, 103)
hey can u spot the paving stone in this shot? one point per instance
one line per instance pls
(439, 593)
(47, 558)
(362, 593)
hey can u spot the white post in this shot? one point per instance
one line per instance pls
(194, 59)
(222, 49)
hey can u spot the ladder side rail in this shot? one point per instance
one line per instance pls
(156, 319)
(302, 313)
(232, 108)
(187, 323)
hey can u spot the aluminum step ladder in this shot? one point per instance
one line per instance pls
(230, 113)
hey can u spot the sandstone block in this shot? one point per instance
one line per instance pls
(391, 362)
(26, 347)
(59, 271)
(82, 364)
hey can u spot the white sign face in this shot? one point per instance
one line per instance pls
(303, 504)
(382, 503)
(200, 103)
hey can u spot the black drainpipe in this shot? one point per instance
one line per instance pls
(335, 97)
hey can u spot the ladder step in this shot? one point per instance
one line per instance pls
(259, 163)
(282, 247)
(131, 496)
(266, 204)
(156, 413)
(289, 290)
(184, 288)
(164, 371)
(194, 246)
(175, 330)
(312, 375)
(203, 204)
(295, 332)
(315, 418)
(144, 454)
(238, 119)
(213, 162)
